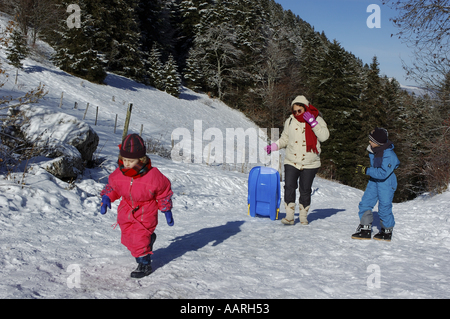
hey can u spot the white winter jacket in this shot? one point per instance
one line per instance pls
(294, 140)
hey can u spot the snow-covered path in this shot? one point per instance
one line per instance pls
(215, 250)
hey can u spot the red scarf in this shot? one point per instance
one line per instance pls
(311, 138)
(139, 170)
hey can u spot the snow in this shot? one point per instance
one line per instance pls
(51, 231)
(416, 90)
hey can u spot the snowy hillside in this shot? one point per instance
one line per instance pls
(416, 90)
(51, 231)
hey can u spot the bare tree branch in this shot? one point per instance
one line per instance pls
(425, 26)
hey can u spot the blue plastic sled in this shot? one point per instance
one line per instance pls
(264, 193)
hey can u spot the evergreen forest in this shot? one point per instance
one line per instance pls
(257, 57)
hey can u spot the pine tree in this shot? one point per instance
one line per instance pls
(372, 100)
(397, 125)
(155, 69)
(119, 39)
(189, 16)
(75, 51)
(151, 21)
(172, 78)
(217, 49)
(17, 49)
(337, 98)
(193, 76)
(311, 61)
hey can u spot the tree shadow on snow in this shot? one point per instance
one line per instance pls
(186, 95)
(192, 242)
(39, 69)
(121, 82)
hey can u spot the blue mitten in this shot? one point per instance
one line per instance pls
(169, 218)
(106, 202)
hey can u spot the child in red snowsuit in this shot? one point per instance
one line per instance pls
(144, 191)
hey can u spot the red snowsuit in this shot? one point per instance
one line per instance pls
(137, 214)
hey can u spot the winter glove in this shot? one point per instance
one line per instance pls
(271, 148)
(310, 119)
(361, 169)
(106, 202)
(169, 217)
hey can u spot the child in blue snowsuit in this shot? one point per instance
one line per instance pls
(381, 187)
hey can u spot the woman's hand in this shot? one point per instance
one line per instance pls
(271, 148)
(310, 119)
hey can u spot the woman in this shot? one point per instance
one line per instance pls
(302, 134)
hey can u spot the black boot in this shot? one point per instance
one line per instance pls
(363, 232)
(141, 271)
(144, 267)
(152, 241)
(384, 234)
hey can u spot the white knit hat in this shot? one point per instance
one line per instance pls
(300, 99)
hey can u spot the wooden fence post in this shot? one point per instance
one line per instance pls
(60, 102)
(127, 121)
(85, 111)
(96, 116)
(115, 125)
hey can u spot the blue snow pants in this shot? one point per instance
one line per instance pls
(383, 193)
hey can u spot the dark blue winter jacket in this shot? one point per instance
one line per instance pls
(386, 171)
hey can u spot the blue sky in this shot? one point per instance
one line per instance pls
(346, 21)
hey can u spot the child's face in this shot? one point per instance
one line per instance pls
(129, 162)
(373, 144)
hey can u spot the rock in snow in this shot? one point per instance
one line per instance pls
(68, 141)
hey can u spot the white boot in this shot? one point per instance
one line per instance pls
(290, 211)
(303, 215)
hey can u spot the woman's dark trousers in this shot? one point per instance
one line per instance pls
(295, 178)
